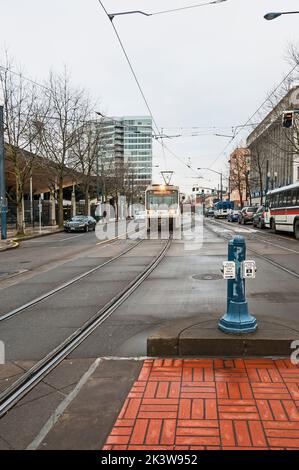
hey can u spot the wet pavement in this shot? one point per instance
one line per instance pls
(97, 396)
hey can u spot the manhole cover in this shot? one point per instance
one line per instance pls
(207, 277)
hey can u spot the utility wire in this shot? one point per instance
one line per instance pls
(20, 75)
(181, 128)
(131, 68)
(133, 12)
(186, 8)
(160, 136)
(252, 116)
(141, 91)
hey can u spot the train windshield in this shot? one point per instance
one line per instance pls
(155, 199)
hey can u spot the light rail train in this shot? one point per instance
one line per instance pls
(162, 204)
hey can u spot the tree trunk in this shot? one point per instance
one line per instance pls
(20, 207)
(240, 196)
(261, 188)
(86, 204)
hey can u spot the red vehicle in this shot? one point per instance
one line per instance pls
(246, 215)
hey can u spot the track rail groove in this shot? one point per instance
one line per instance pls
(39, 371)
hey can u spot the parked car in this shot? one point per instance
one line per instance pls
(233, 216)
(246, 214)
(259, 218)
(80, 223)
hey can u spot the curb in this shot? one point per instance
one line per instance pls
(12, 246)
(39, 235)
(192, 337)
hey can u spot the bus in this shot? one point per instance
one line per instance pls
(282, 209)
(222, 209)
(162, 204)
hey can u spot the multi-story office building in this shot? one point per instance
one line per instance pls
(274, 150)
(127, 148)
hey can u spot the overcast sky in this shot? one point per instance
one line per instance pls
(209, 66)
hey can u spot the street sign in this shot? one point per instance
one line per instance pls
(248, 269)
(229, 270)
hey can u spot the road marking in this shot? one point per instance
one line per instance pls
(71, 238)
(221, 230)
(119, 237)
(62, 407)
(244, 230)
(249, 230)
(53, 241)
(280, 246)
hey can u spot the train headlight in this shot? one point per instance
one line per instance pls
(171, 211)
(151, 212)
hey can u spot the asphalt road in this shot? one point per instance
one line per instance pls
(169, 294)
(186, 285)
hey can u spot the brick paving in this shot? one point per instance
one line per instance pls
(182, 404)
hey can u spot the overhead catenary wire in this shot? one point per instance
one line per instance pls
(20, 75)
(253, 115)
(173, 10)
(162, 12)
(131, 68)
(139, 86)
(160, 136)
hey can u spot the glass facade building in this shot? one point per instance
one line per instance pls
(127, 144)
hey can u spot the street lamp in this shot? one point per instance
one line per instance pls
(218, 173)
(273, 15)
(2, 180)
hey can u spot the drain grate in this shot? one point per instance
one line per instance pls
(207, 277)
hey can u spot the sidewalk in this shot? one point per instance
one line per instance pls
(206, 404)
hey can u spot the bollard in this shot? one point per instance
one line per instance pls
(237, 320)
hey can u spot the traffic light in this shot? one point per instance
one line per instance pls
(287, 119)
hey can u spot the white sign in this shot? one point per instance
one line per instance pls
(249, 269)
(229, 270)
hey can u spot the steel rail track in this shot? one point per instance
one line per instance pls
(270, 261)
(39, 371)
(66, 284)
(265, 236)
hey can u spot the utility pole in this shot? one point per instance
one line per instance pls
(221, 187)
(267, 178)
(2, 180)
(98, 178)
(31, 199)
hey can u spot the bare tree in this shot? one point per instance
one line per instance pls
(63, 128)
(238, 175)
(21, 100)
(258, 167)
(87, 152)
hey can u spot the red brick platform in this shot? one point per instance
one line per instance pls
(178, 404)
